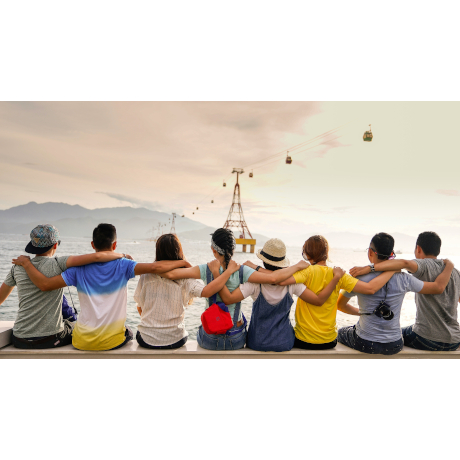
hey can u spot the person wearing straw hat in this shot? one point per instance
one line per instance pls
(270, 328)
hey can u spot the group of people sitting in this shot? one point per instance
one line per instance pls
(168, 285)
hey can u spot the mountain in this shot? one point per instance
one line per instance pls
(75, 220)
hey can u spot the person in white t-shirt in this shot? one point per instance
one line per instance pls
(270, 328)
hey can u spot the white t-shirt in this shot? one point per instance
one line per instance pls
(273, 293)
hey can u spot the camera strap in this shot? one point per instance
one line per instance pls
(381, 302)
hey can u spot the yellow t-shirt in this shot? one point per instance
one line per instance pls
(317, 324)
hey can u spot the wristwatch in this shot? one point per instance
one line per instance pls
(372, 267)
(257, 269)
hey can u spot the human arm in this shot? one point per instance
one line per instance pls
(438, 286)
(161, 267)
(218, 284)
(39, 279)
(5, 291)
(374, 285)
(103, 256)
(386, 265)
(345, 307)
(277, 276)
(320, 298)
(182, 273)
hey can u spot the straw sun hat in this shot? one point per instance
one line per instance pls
(274, 253)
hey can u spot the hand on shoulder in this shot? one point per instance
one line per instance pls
(302, 265)
(21, 260)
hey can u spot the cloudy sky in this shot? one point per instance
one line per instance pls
(173, 156)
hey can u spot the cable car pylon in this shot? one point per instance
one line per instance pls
(235, 218)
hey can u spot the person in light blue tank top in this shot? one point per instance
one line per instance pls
(223, 245)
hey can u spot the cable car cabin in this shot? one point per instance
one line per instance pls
(212, 201)
(368, 136)
(288, 160)
(225, 185)
(197, 208)
(251, 175)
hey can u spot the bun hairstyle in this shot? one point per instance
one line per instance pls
(224, 239)
(316, 248)
(168, 247)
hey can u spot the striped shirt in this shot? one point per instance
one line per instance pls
(163, 305)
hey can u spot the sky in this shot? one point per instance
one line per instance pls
(174, 156)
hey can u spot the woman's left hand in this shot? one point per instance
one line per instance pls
(214, 266)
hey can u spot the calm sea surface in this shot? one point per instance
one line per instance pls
(196, 253)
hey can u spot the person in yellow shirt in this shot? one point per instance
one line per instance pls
(316, 327)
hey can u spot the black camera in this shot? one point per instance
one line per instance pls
(384, 311)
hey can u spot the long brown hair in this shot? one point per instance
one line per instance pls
(316, 248)
(168, 247)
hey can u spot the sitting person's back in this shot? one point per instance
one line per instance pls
(270, 328)
(161, 303)
(436, 317)
(39, 313)
(373, 328)
(103, 294)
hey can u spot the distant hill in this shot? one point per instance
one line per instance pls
(75, 220)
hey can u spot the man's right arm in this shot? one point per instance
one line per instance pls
(386, 265)
(39, 279)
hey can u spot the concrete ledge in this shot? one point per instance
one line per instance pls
(191, 350)
(6, 330)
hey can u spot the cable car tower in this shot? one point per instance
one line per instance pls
(235, 218)
(173, 223)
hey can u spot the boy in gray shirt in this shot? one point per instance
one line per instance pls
(39, 323)
(436, 325)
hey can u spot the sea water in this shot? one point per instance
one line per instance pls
(196, 252)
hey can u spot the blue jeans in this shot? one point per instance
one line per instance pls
(413, 340)
(128, 337)
(349, 337)
(221, 342)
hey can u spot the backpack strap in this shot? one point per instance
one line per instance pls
(209, 279)
(236, 313)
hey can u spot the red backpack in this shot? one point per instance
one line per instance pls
(216, 319)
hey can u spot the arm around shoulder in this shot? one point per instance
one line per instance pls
(39, 279)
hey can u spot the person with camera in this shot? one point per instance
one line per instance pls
(378, 330)
(436, 325)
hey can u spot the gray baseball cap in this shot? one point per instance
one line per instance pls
(42, 239)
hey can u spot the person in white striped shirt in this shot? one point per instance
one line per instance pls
(161, 302)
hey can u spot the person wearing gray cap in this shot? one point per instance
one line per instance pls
(39, 323)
